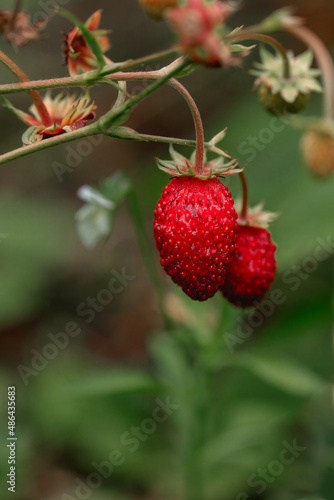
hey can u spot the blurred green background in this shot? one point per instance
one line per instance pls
(269, 387)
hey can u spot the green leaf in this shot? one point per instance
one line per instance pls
(287, 375)
(115, 382)
(34, 240)
(116, 187)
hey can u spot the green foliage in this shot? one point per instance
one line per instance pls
(34, 237)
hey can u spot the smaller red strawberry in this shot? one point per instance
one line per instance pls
(253, 267)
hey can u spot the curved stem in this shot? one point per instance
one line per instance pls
(43, 112)
(244, 210)
(244, 35)
(324, 62)
(197, 121)
(109, 118)
(153, 75)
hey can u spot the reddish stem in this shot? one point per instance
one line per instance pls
(244, 210)
(245, 35)
(199, 162)
(43, 112)
(324, 62)
(153, 75)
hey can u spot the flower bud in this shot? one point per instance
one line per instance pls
(276, 104)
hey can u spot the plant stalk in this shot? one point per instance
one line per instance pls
(244, 35)
(199, 162)
(86, 79)
(324, 62)
(42, 111)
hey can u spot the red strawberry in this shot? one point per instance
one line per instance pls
(253, 267)
(195, 230)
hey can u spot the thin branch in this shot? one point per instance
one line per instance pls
(197, 121)
(324, 62)
(43, 112)
(48, 143)
(245, 35)
(86, 79)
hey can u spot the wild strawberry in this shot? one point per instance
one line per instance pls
(157, 8)
(285, 88)
(275, 104)
(195, 230)
(318, 152)
(253, 267)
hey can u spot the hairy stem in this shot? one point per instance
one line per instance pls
(244, 35)
(324, 62)
(153, 75)
(42, 111)
(86, 79)
(109, 118)
(100, 127)
(132, 135)
(197, 121)
(49, 143)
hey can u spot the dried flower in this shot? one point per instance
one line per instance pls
(67, 113)
(17, 29)
(79, 56)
